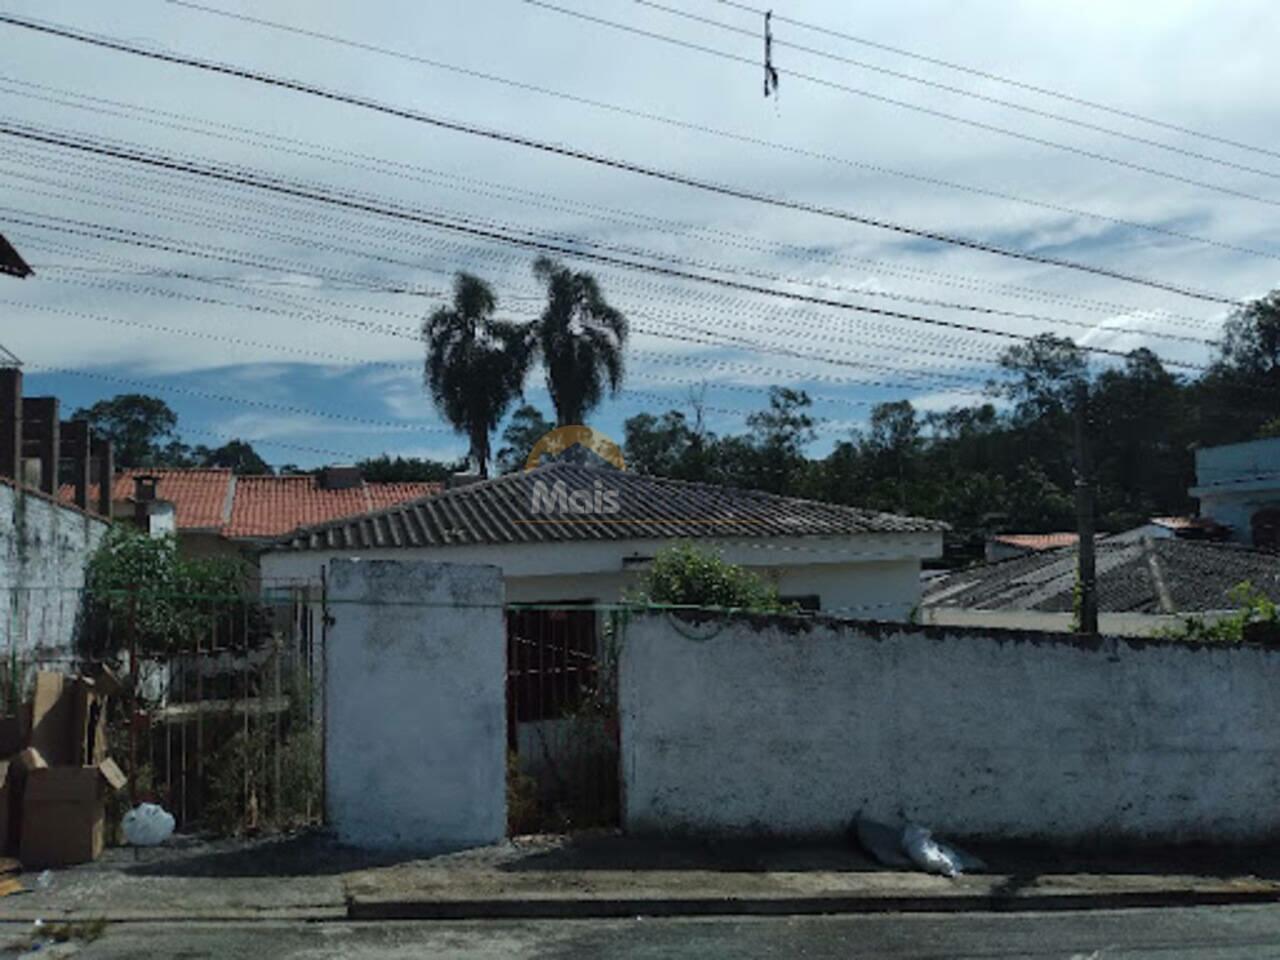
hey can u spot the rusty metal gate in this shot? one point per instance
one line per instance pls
(562, 719)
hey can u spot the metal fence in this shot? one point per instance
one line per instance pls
(219, 719)
(562, 719)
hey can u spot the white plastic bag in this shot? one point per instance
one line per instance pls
(147, 825)
(927, 854)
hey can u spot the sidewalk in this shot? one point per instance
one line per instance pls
(311, 878)
(612, 876)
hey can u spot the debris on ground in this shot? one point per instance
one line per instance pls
(54, 786)
(911, 846)
(147, 825)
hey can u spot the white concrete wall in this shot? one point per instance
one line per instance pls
(1110, 624)
(1235, 481)
(415, 705)
(44, 549)
(757, 725)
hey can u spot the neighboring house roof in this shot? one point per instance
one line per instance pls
(1182, 525)
(1198, 575)
(500, 511)
(273, 506)
(1036, 541)
(215, 500)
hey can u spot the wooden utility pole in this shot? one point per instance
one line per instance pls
(1086, 576)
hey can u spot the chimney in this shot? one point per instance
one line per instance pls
(465, 479)
(339, 477)
(144, 487)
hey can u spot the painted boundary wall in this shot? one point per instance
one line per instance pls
(44, 549)
(780, 726)
(415, 705)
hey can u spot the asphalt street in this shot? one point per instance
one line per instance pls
(1213, 933)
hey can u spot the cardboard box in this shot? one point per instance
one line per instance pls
(53, 718)
(89, 733)
(64, 814)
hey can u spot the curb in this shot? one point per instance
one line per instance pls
(613, 908)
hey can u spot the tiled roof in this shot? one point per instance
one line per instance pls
(501, 511)
(1199, 576)
(1187, 523)
(201, 498)
(257, 507)
(1036, 541)
(273, 506)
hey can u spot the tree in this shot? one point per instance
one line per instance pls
(1046, 369)
(237, 455)
(526, 428)
(685, 575)
(476, 364)
(781, 434)
(581, 338)
(385, 469)
(135, 424)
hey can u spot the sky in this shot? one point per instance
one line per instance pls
(292, 323)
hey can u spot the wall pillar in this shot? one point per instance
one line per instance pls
(75, 447)
(40, 431)
(11, 423)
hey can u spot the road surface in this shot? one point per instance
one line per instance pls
(1218, 933)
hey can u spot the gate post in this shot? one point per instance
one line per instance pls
(415, 704)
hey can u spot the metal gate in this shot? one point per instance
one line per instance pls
(562, 719)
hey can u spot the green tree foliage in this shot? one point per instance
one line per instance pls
(138, 427)
(387, 469)
(581, 338)
(685, 575)
(526, 427)
(476, 364)
(164, 598)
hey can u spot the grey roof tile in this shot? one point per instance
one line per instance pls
(500, 511)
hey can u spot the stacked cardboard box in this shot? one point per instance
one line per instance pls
(56, 780)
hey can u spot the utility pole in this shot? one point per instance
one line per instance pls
(1086, 576)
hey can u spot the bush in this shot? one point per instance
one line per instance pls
(1257, 612)
(685, 575)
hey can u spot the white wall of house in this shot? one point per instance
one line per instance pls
(1235, 481)
(875, 575)
(786, 726)
(415, 705)
(1109, 624)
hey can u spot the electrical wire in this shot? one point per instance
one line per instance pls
(587, 156)
(998, 78)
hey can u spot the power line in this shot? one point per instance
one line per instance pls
(289, 189)
(597, 159)
(998, 78)
(856, 291)
(914, 107)
(948, 88)
(711, 131)
(632, 218)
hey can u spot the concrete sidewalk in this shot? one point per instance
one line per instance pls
(309, 877)
(611, 876)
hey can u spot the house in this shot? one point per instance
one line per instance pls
(213, 511)
(571, 533)
(1238, 486)
(1143, 586)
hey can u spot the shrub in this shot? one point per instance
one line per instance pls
(685, 575)
(1256, 610)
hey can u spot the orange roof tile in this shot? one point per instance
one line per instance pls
(272, 506)
(201, 497)
(1037, 541)
(258, 506)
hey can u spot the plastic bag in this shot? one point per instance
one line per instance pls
(147, 825)
(929, 855)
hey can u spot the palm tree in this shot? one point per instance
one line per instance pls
(475, 364)
(580, 338)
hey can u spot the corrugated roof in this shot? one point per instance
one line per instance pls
(501, 510)
(1199, 575)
